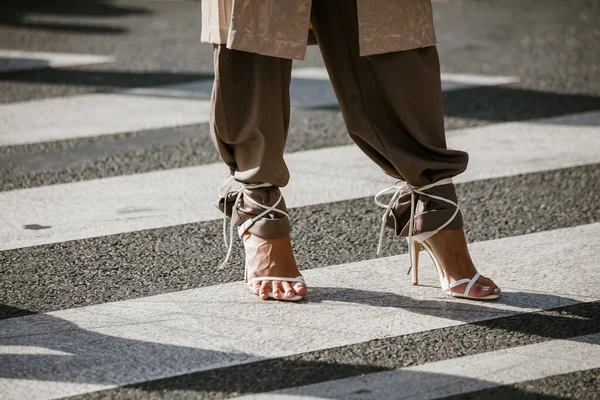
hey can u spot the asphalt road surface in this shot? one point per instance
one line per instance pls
(110, 243)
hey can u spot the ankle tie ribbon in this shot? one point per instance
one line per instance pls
(399, 189)
(224, 191)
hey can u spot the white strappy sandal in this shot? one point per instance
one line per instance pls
(224, 190)
(400, 188)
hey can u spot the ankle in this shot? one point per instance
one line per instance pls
(269, 256)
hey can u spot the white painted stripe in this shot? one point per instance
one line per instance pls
(314, 73)
(450, 81)
(34, 350)
(137, 340)
(154, 108)
(94, 115)
(457, 376)
(16, 60)
(179, 196)
(462, 81)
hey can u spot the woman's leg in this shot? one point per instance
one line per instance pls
(392, 106)
(250, 110)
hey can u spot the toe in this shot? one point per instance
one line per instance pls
(481, 290)
(288, 290)
(265, 286)
(488, 282)
(484, 289)
(256, 287)
(300, 289)
(276, 288)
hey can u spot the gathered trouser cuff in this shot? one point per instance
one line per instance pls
(273, 225)
(430, 213)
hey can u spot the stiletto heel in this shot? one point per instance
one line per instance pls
(415, 263)
(415, 241)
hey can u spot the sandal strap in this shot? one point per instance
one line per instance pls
(268, 209)
(224, 191)
(275, 278)
(470, 285)
(459, 282)
(471, 282)
(399, 189)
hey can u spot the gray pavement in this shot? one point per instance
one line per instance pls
(551, 46)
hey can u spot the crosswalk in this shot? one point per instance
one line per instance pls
(179, 196)
(363, 332)
(456, 376)
(16, 60)
(159, 107)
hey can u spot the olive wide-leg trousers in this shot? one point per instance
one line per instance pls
(391, 104)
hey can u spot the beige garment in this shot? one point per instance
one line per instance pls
(279, 28)
(392, 107)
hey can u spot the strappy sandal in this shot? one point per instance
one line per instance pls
(414, 241)
(224, 191)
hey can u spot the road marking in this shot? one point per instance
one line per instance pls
(450, 81)
(16, 60)
(457, 376)
(119, 343)
(311, 87)
(94, 115)
(33, 350)
(158, 107)
(463, 81)
(165, 198)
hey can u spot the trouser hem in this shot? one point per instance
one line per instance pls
(271, 226)
(430, 214)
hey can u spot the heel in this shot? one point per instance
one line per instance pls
(415, 271)
(414, 255)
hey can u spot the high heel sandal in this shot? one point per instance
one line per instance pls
(414, 241)
(224, 191)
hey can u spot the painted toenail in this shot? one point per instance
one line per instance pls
(290, 294)
(276, 295)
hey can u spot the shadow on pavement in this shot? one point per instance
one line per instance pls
(7, 312)
(558, 322)
(102, 78)
(6, 64)
(79, 356)
(364, 358)
(46, 348)
(498, 104)
(16, 13)
(506, 103)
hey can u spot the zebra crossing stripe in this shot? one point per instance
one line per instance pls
(311, 87)
(17, 60)
(166, 198)
(158, 107)
(459, 375)
(450, 81)
(115, 344)
(94, 115)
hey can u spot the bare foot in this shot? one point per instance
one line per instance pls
(450, 248)
(272, 257)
